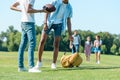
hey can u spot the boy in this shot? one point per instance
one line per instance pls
(57, 21)
(28, 32)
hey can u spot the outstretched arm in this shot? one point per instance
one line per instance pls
(31, 10)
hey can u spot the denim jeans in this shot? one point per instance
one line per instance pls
(75, 48)
(28, 35)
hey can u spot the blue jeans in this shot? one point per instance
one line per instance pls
(75, 48)
(28, 35)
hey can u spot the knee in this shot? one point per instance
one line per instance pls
(32, 43)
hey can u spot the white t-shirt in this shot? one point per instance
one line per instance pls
(60, 15)
(76, 39)
(87, 42)
(26, 17)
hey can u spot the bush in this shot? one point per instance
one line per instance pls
(113, 49)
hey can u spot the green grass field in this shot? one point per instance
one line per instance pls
(108, 69)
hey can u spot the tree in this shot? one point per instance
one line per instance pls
(113, 49)
(81, 49)
(38, 29)
(3, 41)
(116, 41)
(118, 51)
(0, 45)
(13, 39)
(103, 49)
(11, 42)
(37, 41)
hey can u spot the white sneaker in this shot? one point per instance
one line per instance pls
(22, 69)
(53, 66)
(34, 70)
(98, 62)
(38, 65)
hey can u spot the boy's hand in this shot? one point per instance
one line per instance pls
(70, 38)
(46, 11)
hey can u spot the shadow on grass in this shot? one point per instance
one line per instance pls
(98, 67)
(84, 68)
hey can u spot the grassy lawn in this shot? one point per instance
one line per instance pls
(108, 69)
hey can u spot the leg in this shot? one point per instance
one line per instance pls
(89, 58)
(96, 55)
(77, 48)
(73, 49)
(22, 47)
(86, 55)
(32, 42)
(86, 58)
(57, 33)
(99, 56)
(56, 48)
(89, 52)
(41, 45)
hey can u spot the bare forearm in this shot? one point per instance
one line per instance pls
(45, 18)
(15, 9)
(69, 27)
(30, 9)
(35, 11)
(14, 6)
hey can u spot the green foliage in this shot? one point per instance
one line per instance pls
(37, 41)
(104, 49)
(0, 44)
(81, 49)
(117, 43)
(118, 51)
(38, 29)
(3, 41)
(10, 40)
(113, 49)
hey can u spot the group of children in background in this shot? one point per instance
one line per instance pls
(75, 44)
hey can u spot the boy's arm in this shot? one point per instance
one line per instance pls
(69, 29)
(14, 6)
(31, 10)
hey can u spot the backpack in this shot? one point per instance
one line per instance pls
(68, 61)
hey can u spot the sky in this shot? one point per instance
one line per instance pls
(93, 15)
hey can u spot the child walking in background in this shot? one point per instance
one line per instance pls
(97, 50)
(75, 44)
(87, 49)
